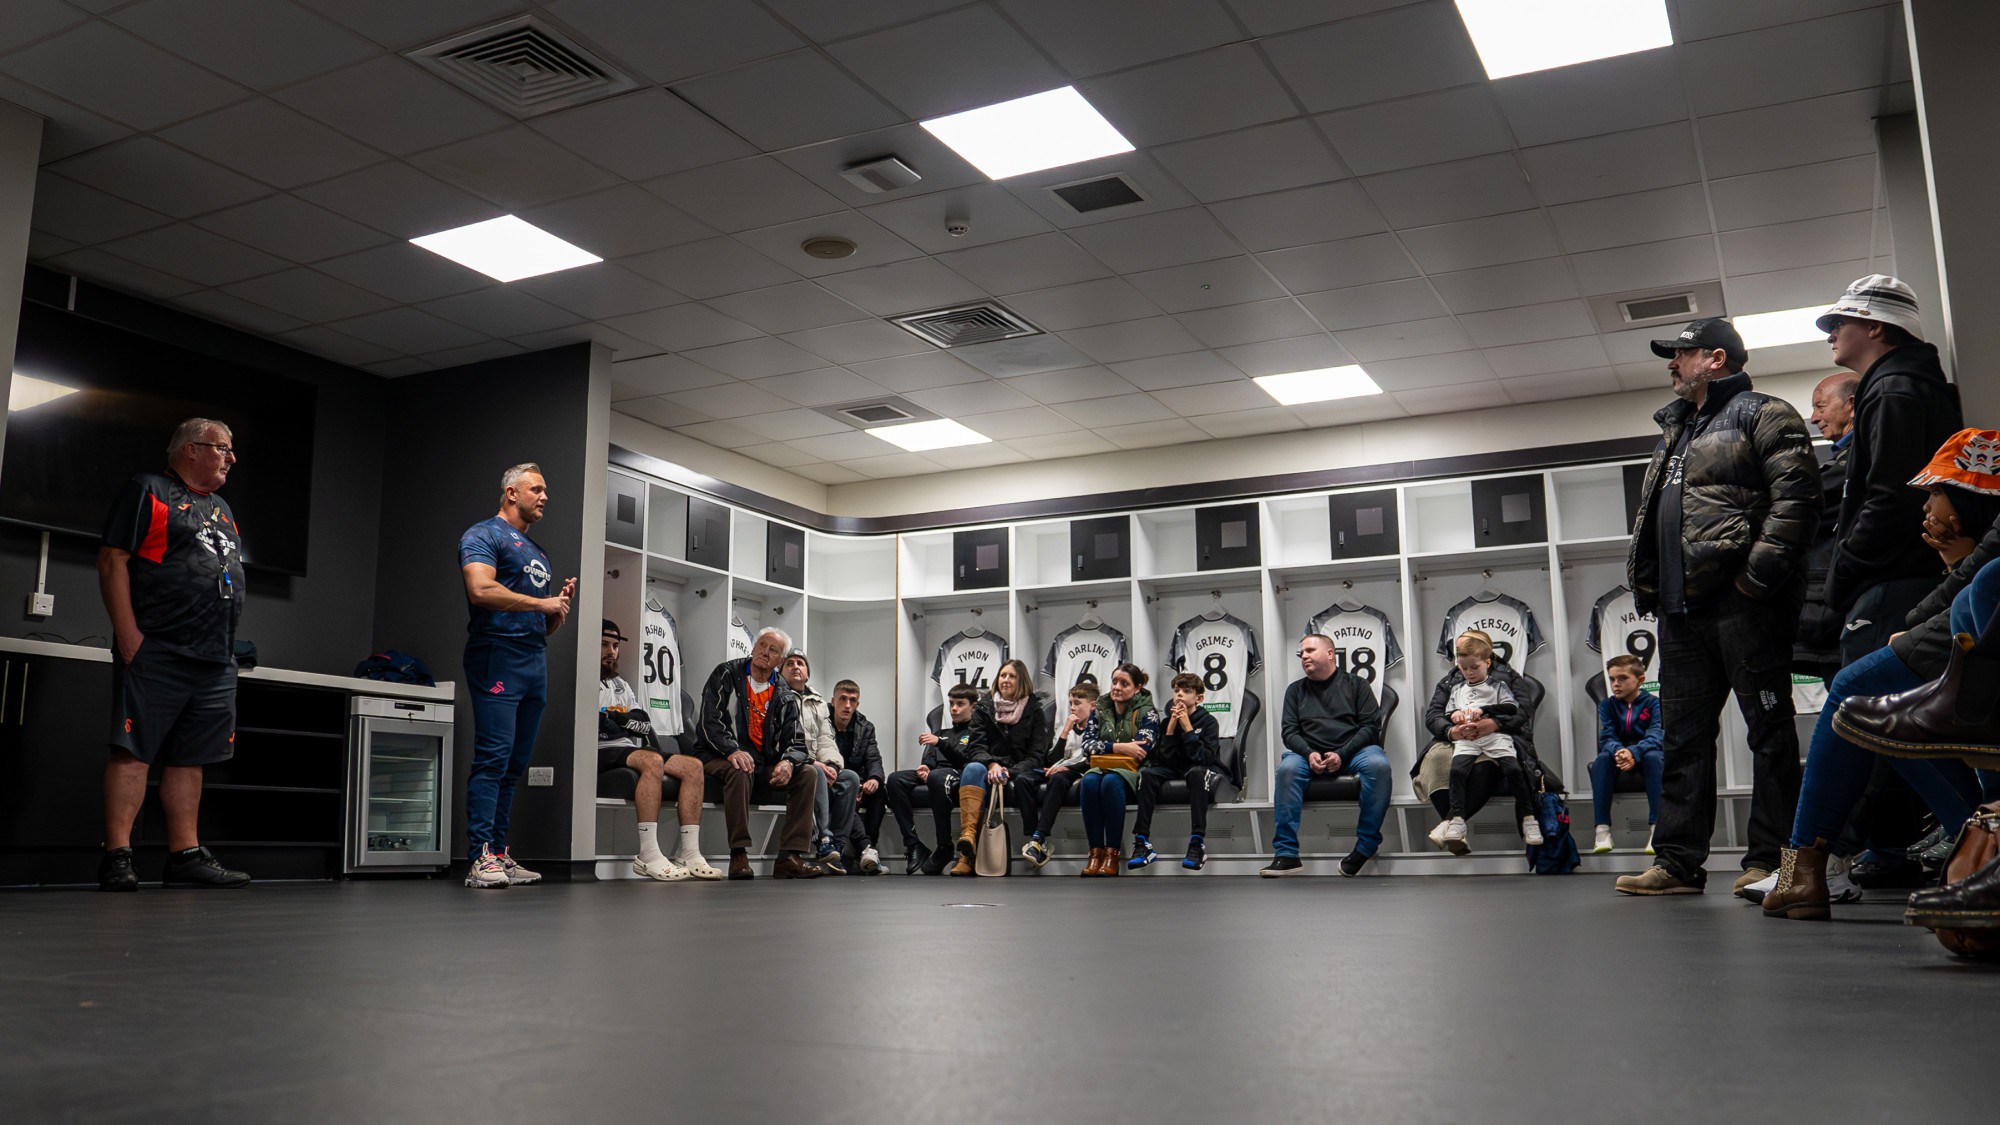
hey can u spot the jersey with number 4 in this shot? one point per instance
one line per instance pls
(1223, 652)
(660, 668)
(1512, 625)
(1364, 640)
(1080, 654)
(1617, 629)
(968, 658)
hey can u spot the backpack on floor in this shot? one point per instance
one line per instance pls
(1557, 853)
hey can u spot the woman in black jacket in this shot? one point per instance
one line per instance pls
(1016, 732)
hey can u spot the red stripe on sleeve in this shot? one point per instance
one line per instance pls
(154, 547)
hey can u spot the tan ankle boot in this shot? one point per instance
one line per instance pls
(1801, 891)
(1095, 866)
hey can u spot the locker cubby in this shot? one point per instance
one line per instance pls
(698, 600)
(856, 641)
(1295, 530)
(1590, 503)
(1047, 612)
(925, 624)
(748, 543)
(760, 605)
(1300, 594)
(924, 564)
(666, 522)
(625, 511)
(1041, 554)
(1439, 517)
(624, 590)
(1584, 580)
(850, 568)
(1163, 543)
(1169, 602)
(1441, 583)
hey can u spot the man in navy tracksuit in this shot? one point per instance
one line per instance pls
(515, 605)
(1629, 739)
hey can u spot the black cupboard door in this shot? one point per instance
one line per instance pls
(52, 749)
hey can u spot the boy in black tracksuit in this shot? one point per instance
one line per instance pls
(1189, 749)
(946, 754)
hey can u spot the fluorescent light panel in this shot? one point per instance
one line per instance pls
(1521, 36)
(1776, 329)
(919, 436)
(1046, 130)
(25, 392)
(1296, 387)
(506, 249)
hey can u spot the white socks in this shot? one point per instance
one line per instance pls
(649, 842)
(690, 840)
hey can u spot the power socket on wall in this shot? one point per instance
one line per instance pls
(541, 775)
(41, 605)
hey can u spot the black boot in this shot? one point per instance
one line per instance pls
(936, 862)
(197, 868)
(1955, 716)
(917, 855)
(1973, 903)
(114, 871)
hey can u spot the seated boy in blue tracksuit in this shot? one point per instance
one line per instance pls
(1628, 738)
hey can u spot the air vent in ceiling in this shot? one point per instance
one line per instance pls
(1672, 305)
(523, 66)
(965, 324)
(1629, 312)
(1099, 194)
(877, 413)
(882, 410)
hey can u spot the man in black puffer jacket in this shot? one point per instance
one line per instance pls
(1727, 512)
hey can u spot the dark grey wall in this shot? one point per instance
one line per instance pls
(318, 623)
(453, 433)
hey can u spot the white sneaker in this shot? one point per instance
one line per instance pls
(696, 867)
(1649, 839)
(487, 872)
(1437, 834)
(517, 874)
(1457, 836)
(871, 860)
(1840, 888)
(1531, 831)
(1603, 843)
(662, 869)
(1756, 891)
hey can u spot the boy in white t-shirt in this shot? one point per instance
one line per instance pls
(1481, 697)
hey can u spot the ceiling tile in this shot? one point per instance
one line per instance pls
(198, 255)
(787, 308)
(1349, 411)
(216, 305)
(29, 20)
(292, 228)
(1588, 99)
(1373, 58)
(1833, 188)
(822, 387)
(1215, 398)
(1428, 129)
(1454, 400)
(1207, 285)
(1781, 136)
(515, 167)
(1545, 356)
(107, 71)
(1422, 372)
(1132, 339)
(404, 273)
(861, 340)
(500, 311)
(1086, 303)
(1363, 305)
(599, 290)
(826, 22)
(1118, 410)
(917, 372)
(642, 134)
(84, 214)
(1069, 386)
(710, 268)
(1562, 385)
(874, 246)
(777, 453)
(1339, 265)
(622, 346)
(667, 42)
(1519, 237)
(727, 400)
(408, 331)
(1159, 191)
(1279, 357)
(155, 175)
(1244, 423)
(793, 99)
(307, 294)
(660, 412)
(827, 474)
(264, 139)
(667, 374)
(756, 358)
(1112, 34)
(986, 397)
(744, 194)
(894, 465)
(473, 353)
(843, 447)
(1440, 193)
(1012, 425)
(1152, 241)
(1184, 370)
(1555, 320)
(1401, 341)
(1655, 264)
(398, 23)
(1268, 17)
(1243, 324)
(1627, 220)
(255, 42)
(901, 287)
(1501, 287)
(1615, 164)
(976, 456)
(1212, 92)
(1706, 19)
(790, 424)
(1145, 435)
(941, 168)
(1039, 262)
(682, 327)
(1784, 64)
(957, 61)
(1796, 288)
(722, 435)
(1810, 242)
(399, 199)
(1075, 443)
(617, 221)
(992, 213)
(67, 129)
(1025, 355)
(93, 264)
(1263, 158)
(1326, 213)
(337, 346)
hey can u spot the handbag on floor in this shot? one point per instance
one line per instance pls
(995, 847)
(1978, 844)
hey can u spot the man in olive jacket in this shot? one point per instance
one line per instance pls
(1728, 510)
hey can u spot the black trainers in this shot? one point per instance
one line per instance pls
(1143, 854)
(936, 862)
(1351, 864)
(114, 871)
(1282, 865)
(198, 868)
(917, 855)
(1197, 854)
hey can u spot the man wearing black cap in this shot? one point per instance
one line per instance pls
(1729, 508)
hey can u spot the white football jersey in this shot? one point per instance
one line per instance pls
(1364, 639)
(1080, 654)
(737, 641)
(1616, 629)
(1512, 625)
(1223, 652)
(660, 668)
(968, 658)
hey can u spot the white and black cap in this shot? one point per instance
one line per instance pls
(1876, 297)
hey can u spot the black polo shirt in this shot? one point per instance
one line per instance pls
(186, 567)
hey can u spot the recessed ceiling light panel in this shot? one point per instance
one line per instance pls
(506, 249)
(1046, 130)
(1776, 329)
(919, 436)
(1521, 36)
(1296, 387)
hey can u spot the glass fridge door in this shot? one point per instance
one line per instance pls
(399, 799)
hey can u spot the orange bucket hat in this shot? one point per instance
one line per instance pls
(1969, 459)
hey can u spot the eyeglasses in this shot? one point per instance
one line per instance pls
(225, 450)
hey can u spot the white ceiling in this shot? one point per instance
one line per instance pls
(1329, 181)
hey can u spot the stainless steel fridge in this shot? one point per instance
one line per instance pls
(399, 785)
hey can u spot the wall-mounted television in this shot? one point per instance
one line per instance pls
(90, 405)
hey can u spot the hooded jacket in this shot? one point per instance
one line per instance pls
(1903, 410)
(1749, 497)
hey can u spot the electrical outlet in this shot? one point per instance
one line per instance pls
(41, 605)
(541, 775)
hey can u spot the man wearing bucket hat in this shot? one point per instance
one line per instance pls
(1903, 411)
(1728, 509)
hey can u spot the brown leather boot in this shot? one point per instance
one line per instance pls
(1093, 866)
(1956, 715)
(1801, 891)
(971, 803)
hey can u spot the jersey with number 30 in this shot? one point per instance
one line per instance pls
(1364, 640)
(1223, 652)
(968, 658)
(660, 668)
(1616, 629)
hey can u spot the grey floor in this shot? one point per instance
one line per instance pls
(1058, 1000)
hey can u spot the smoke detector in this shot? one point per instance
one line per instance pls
(828, 247)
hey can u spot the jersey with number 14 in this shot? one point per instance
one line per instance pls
(1223, 652)
(1364, 640)
(968, 658)
(660, 668)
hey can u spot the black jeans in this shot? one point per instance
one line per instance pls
(1739, 647)
(1201, 783)
(1511, 779)
(1053, 799)
(902, 784)
(1484, 782)
(870, 807)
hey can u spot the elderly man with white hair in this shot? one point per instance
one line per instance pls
(750, 734)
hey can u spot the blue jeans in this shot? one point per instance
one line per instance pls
(508, 678)
(1369, 763)
(1604, 779)
(1974, 604)
(1103, 801)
